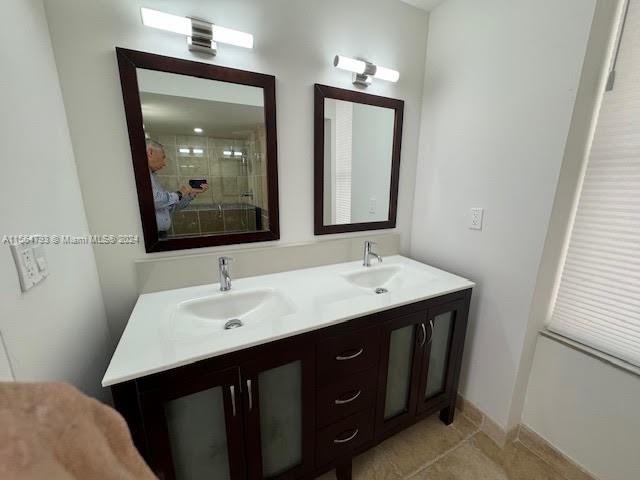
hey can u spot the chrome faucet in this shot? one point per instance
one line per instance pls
(368, 253)
(223, 273)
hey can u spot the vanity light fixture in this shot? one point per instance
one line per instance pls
(363, 70)
(227, 153)
(198, 130)
(237, 154)
(201, 35)
(184, 150)
(197, 151)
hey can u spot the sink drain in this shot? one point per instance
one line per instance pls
(231, 324)
(381, 290)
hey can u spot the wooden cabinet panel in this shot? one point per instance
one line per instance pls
(346, 397)
(341, 356)
(340, 439)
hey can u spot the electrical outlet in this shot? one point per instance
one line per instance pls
(30, 263)
(372, 205)
(475, 222)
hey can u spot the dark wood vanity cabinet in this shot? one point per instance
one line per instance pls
(298, 407)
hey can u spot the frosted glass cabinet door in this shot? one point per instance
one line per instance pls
(439, 347)
(400, 361)
(198, 436)
(194, 428)
(399, 371)
(280, 419)
(445, 328)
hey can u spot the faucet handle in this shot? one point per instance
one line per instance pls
(222, 261)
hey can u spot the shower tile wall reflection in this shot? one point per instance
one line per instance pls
(235, 169)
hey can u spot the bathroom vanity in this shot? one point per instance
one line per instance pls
(323, 364)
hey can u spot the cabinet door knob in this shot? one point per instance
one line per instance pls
(341, 401)
(342, 356)
(348, 439)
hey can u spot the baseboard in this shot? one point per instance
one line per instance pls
(527, 437)
(488, 426)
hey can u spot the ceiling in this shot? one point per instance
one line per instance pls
(424, 4)
(168, 114)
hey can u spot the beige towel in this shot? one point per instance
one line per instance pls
(52, 431)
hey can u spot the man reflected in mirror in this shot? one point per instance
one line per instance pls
(167, 202)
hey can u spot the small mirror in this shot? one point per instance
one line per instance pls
(207, 175)
(357, 160)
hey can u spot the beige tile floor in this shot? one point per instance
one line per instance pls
(432, 451)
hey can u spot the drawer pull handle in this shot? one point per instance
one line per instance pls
(348, 439)
(340, 401)
(350, 357)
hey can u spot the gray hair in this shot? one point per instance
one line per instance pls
(153, 144)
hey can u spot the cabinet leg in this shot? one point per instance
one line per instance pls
(343, 471)
(447, 414)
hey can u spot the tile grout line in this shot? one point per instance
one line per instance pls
(438, 458)
(455, 447)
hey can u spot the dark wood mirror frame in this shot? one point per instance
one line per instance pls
(128, 61)
(322, 92)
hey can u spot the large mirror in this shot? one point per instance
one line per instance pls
(203, 142)
(357, 160)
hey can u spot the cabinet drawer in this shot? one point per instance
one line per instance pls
(338, 357)
(342, 438)
(346, 397)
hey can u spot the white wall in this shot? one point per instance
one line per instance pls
(500, 85)
(586, 408)
(294, 40)
(58, 330)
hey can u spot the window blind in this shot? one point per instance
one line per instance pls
(344, 149)
(598, 298)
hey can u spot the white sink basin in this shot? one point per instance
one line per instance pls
(213, 312)
(373, 277)
(389, 277)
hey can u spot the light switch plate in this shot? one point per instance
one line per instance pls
(475, 221)
(30, 263)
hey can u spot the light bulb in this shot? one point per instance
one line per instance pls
(198, 130)
(387, 74)
(349, 64)
(232, 37)
(183, 26)
(166, 21)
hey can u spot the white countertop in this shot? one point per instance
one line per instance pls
(158, 337)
